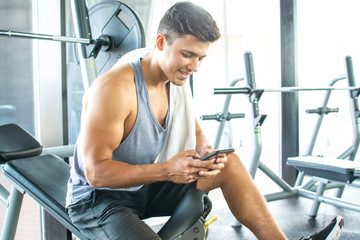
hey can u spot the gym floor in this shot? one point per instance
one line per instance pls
(292, 217)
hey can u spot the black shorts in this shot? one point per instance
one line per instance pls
(118, 214)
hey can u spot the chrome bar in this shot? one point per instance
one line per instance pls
(235, 90)
(44, 37)
(61, 151)
(330, 200)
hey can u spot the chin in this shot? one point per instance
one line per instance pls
(178, 82)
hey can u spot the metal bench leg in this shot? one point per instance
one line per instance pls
(4, 195)
(339, 192)
(12, 214)
(316, 204)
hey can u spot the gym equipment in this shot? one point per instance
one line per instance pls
(123, 29)
(104, 34)
(44, 178)
(329, 173)
(343, 169)
(46, 37)
(225, 115)
(247, 90)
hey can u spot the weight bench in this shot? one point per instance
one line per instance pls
(325, 170)
(44, 178)
(341, 170)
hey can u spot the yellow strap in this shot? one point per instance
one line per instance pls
(210, 221)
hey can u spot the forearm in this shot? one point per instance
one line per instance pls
(201, 139)
(116, 174)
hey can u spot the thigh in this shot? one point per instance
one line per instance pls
(106, 218)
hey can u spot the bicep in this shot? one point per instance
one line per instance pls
(102, 125)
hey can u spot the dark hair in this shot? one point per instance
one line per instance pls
(187, 18)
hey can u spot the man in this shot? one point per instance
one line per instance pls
(119, 176)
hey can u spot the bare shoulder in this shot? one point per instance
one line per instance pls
(114, 86)
(111, 98)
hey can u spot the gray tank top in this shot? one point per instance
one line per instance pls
(141, 146)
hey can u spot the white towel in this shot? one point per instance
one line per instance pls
(181, 126)
(132, 56)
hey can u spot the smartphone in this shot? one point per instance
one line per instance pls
(227, 151)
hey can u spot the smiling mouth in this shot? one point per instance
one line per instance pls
(185, 74)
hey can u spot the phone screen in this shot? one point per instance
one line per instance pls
(227, 151)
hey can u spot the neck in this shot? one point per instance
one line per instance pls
(154, 76)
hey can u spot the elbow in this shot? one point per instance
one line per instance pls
(94, 183)
(93, 178)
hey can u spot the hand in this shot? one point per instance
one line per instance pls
(216, 162)
(181, 169)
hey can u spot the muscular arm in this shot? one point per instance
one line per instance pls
(109, 111)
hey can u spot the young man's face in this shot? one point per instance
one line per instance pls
(182, 58)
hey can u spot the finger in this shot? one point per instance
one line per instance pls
(192, 178)
(216, 166)
(203, 163)
(205, 149)
(221, 159)
(208, 174)
(191, 153)
(209, 165)
(208, 149)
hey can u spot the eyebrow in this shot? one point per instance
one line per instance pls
(193, 53)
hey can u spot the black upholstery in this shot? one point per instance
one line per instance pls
(22, 146)
(195, 204)
(43, 177)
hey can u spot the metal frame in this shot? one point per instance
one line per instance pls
(307, 190)
(225, 115)
(83, 30)
(289, 77)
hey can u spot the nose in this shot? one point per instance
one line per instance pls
(194, 65)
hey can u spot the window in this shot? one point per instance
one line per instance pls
(16, 74)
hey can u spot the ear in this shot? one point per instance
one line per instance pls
(160, 41)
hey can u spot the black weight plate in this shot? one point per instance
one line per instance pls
(122, 24)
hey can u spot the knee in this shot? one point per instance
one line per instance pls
(233, 169)
(234, 163)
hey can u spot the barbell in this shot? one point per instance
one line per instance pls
(248, 90)
(115, 30)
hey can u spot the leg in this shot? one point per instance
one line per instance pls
(244, 199)
(103, 216)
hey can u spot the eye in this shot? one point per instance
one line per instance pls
(186, 55)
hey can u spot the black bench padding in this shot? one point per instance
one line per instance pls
(31, 174)
(194, 205)
(24, 146)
